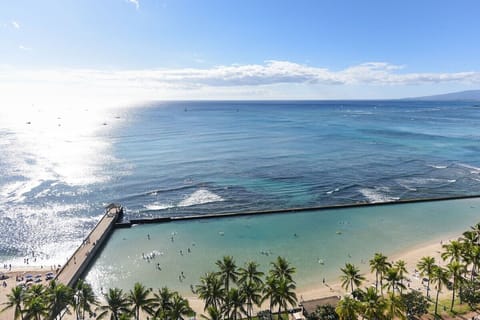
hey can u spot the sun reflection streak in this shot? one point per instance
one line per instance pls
(49, 156)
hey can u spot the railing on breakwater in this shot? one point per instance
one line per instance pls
(131, 222)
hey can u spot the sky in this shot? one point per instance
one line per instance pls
(127, 51)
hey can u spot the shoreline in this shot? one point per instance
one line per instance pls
(410, 255)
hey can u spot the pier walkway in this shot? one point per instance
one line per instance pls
(85, 253)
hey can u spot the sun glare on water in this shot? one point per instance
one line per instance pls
(50, 154)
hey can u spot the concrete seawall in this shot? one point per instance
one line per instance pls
(129, 223)
(78, 263)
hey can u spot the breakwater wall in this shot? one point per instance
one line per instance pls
(131, 222)
(78, 263)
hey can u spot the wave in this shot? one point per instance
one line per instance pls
(413, 183)
(198, 197)
(158, 206)
(156, 192)
(201, 196)
(332, 191)
(435, 166)
(473, 169)
(377, 194)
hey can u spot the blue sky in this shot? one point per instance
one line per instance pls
(175, 49)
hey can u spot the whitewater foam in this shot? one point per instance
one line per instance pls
(201, 196)
(158, 206)
(377, 194)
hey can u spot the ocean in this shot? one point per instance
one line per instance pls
(58, 168)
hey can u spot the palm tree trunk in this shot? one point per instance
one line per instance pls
(351, 285)
(250, 309)
(428, 288)
(436, 302)
(453, 297)
(473, 271)
(279, 314)
(376, 282)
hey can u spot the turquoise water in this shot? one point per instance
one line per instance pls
(334, 236)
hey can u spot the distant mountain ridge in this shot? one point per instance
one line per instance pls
(468, 95)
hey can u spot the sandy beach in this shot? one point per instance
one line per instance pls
(18, 271)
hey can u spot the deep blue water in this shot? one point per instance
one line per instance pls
(176, 158)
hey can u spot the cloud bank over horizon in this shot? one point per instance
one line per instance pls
(258, 81)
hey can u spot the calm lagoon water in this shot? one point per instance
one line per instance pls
(332, 236)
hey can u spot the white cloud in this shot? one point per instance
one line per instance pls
(135, 2)
(15, 24)
(24, 48)
(272, 80)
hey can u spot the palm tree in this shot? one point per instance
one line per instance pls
(393, 280)
(425, 265)
(138, 298)
(210, 290)
(476, 230)
(179, 307)
(84, 298)
(284, 295)
(15, 300)
(35, 291)
(401, 267)
(475, 261)
(227, 271)
(351, 276)
(235, 301)
(373, 305)
(251, 293)
(117, 303)
(455, 270)
(213, 314)
(36, 308)
(281, 268)
(250, 273)
(379, 264)
(347, 308)
(453, 251)
(162, 302)
(439, 276)
(395, 307)
(60, 297)
(270, 291)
